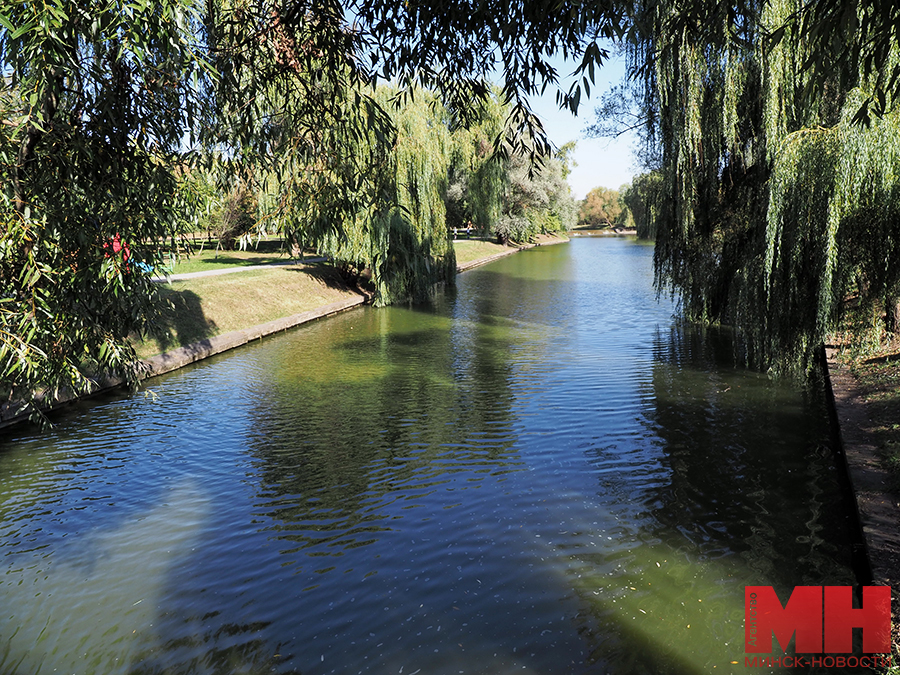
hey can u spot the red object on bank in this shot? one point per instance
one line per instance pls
(118, 246)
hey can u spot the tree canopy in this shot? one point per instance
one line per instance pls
(775, 204)
(102, 100)
(601, 207)
(96, 98)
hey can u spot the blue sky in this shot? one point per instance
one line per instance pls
(601, 162)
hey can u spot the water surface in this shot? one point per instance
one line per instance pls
(543, 472)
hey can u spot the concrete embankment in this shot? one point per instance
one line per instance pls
(870, 482)
(182, 356)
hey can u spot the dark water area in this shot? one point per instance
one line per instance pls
(542, 472)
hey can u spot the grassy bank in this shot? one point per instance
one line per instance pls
(205, 257)
(200, 308)
(469, 250)
(208, 306)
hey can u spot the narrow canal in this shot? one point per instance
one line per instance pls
(541, 473)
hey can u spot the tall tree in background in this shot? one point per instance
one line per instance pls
(398, 228)
(478, 175)
(535, 201)
(601, 207)
(640, 201)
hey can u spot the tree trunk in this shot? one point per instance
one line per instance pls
(892, 314)
(33, 135)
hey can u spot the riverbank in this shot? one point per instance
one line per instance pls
(867, 405)
(605, 232)
(212, 312)
(280, 298)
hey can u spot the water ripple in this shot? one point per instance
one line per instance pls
(533, 474)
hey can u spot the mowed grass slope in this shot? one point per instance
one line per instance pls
(468, 250)
(200, 308)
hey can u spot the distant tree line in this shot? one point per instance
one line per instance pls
(633, 206)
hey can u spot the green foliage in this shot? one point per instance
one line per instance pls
(773, 208)
(641, 202)
(96, 98)
(477, 175)
(453, 48)
(397, 231)
(564, 155)
(849, 42)
(236, 216)
(68, 304)
(601, 207)
(537, 200)
(833, 229)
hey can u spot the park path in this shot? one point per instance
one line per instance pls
(232, 270)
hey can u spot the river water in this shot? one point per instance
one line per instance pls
(543, 472)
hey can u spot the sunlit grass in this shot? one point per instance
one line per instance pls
(206, 257)
(468, 250)
(199, 308)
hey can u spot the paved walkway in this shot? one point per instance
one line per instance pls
(872, 485)
(231, 270)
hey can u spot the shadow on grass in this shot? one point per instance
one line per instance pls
(329, 276)
(181, 320)
(236, 261)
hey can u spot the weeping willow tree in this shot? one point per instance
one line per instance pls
(775, 208)
(641, 198)
(391, 223)
(478, 175)
(95, 99)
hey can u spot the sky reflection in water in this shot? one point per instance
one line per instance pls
(540, 473)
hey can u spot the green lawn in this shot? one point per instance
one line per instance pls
(271, 251)
(200, 308)
(207, 258)
(468, 250)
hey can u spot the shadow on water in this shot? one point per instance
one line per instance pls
(736, 450)
(739, 446)
(527, 476)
